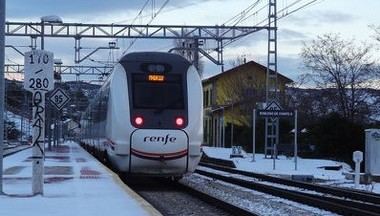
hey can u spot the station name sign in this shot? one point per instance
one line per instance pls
(275, 113)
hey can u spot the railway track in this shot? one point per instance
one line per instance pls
(341, 201)
(9, 150)
(185, 198)
(173, 198)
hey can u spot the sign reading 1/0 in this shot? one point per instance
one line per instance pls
(38, 70)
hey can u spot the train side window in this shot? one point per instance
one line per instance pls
(103, 102)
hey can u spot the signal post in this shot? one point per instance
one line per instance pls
(38, 79)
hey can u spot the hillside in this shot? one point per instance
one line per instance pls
(18, 100)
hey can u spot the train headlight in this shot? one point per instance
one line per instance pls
(179, 121)
(139, 121)
(156, 68)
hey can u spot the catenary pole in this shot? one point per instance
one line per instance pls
(2, 88)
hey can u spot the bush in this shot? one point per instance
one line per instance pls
(336, 137)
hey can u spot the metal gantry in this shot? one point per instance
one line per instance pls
(78, 31)
(66, 69)
(81, 30)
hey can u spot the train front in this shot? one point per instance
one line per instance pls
(165, 100)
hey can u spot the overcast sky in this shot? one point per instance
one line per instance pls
(350, 18)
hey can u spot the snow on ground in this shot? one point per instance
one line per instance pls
(75, 184)
(286, 167)
(258, 202)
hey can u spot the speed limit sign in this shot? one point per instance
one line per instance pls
(38, 72)
(59, 98)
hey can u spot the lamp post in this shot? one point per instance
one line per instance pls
(47, 19)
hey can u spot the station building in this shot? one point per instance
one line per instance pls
(229, 99)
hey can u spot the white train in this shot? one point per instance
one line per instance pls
(147, 117)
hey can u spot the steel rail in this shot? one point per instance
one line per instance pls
(336, 205)
(8, 152)
(233, 209)
(340, 192)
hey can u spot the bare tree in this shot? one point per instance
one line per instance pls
(376, 36)
(377, 32)
(343, 69)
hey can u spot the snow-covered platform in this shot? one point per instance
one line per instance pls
(75, 184)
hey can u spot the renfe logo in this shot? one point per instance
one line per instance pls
(160, 139)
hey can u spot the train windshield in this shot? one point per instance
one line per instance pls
(165, 94)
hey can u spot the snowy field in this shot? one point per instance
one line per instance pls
(286, 167)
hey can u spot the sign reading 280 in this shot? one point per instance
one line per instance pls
(38, 69)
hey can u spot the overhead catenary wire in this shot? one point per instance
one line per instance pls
(249, 11)
(299, 8)
(138, 14)
(289, 7)
(287, 11)
(238, 17)
(163, 9)
(283, 11)
(154, 15)
(166, 10)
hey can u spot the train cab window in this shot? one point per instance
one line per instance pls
(166, 94)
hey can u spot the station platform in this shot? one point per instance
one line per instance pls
(75, 184)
